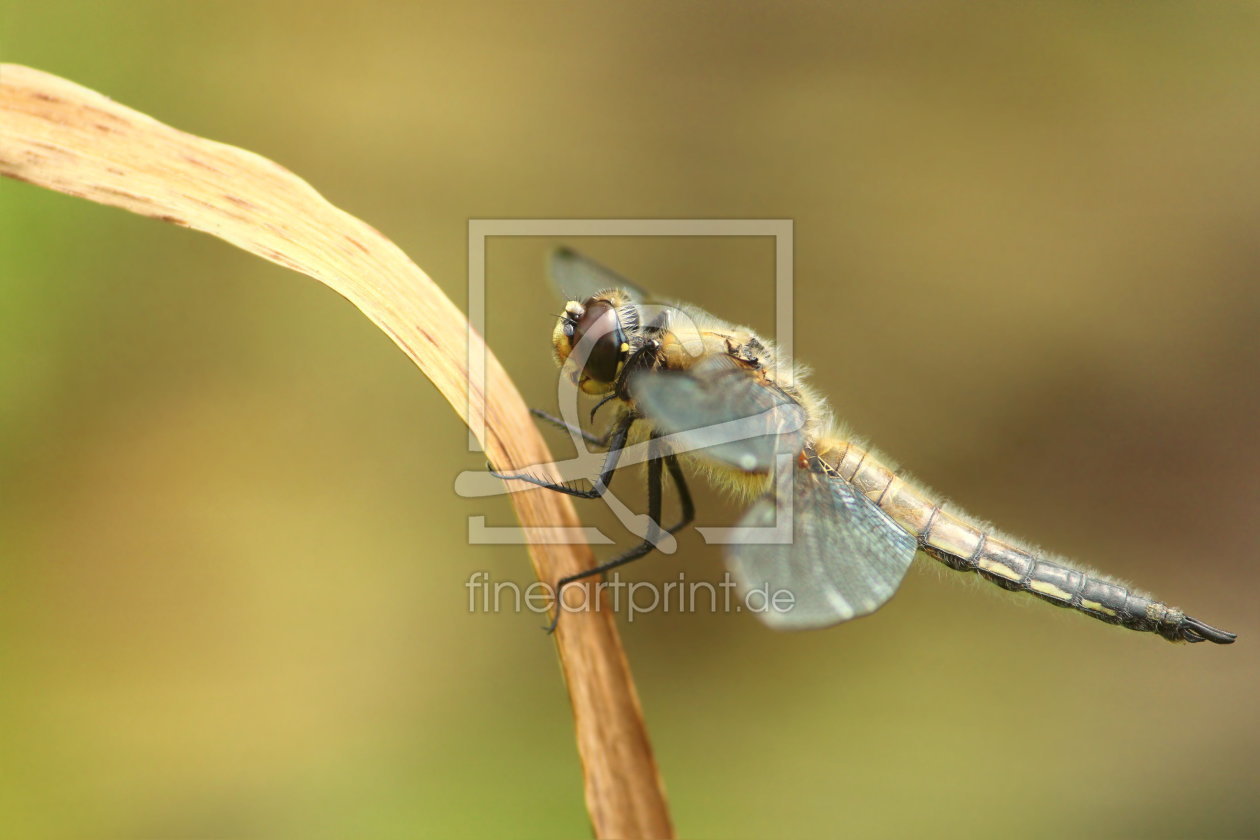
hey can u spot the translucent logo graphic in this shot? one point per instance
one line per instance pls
(571, 405)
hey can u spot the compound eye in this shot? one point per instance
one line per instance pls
(598, 337)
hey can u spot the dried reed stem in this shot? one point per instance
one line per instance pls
(59, 135)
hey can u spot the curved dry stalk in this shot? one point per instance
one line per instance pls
(62, 136)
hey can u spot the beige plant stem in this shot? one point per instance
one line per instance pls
(59, 135)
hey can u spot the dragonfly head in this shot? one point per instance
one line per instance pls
(590, 342)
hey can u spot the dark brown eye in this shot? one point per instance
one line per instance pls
(604, 338)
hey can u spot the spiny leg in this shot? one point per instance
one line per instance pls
(607, 399)
(616, 442)
(684, 494)
(595, 440)
(656, 454)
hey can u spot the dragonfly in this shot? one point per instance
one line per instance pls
(717, 397)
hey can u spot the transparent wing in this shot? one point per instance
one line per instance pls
(577, 277)
(845, 559)
(721, 409)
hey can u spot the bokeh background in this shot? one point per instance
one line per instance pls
(231, 556)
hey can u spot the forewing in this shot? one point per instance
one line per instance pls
(723, 411)
(846, 557)
(577, 277)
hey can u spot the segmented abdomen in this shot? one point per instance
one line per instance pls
(968, 547)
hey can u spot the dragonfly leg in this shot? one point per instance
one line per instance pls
(684, 494)
(617, 442)
(656, 457)
(586, 436)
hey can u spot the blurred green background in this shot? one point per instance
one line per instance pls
(232, 560)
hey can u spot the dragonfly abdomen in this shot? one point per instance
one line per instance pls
(966, 546)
